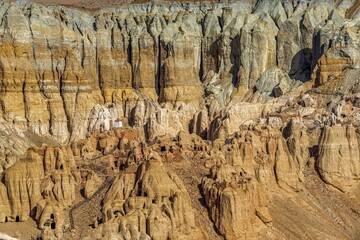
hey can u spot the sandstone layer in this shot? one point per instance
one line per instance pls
(141, 61)
(235, 120)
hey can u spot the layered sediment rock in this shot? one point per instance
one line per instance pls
(232, 199)
(42, 176)
(58, 63)
(338, 160)
(146, 200)
(153, 201)
(22, 182)
(213, 92)
(145, 196)
(255, 159)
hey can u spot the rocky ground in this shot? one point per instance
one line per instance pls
(240, 120)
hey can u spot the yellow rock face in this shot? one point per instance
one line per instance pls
(338, 160)
(181, 120)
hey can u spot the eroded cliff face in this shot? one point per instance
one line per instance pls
(240, 120)
(338, 156)
(58, 63)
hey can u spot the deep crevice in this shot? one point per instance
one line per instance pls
(158, 75)
(201, 70)
(68, 122)
(130, 61)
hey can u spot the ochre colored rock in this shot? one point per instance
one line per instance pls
(338, 161)
(154, 201)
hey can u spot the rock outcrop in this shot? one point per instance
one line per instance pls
(338, 160)
(181, 120)
(232, 198)
(42, 177)
(151, 200)
(22, 182)
(60, 64)
(241, 168)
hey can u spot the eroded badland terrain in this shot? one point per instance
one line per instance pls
(180, 120)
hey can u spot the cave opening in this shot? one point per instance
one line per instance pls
(17, 219)
(116, 213)
(122, 167)
(53, 225)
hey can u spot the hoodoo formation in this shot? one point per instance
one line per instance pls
(180, 120)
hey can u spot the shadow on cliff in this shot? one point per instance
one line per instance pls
(235, 59)
(203, 204)
(216, 58)
(300, 68)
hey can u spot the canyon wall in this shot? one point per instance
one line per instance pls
(241, 120)
(58, 63)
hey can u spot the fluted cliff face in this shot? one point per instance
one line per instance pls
(57, 63)
(240, 120)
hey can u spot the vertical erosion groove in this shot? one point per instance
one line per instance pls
(67, 114)
(130, 60)
(201, 69)
(158, 75)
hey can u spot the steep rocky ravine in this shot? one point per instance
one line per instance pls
(179, 120)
